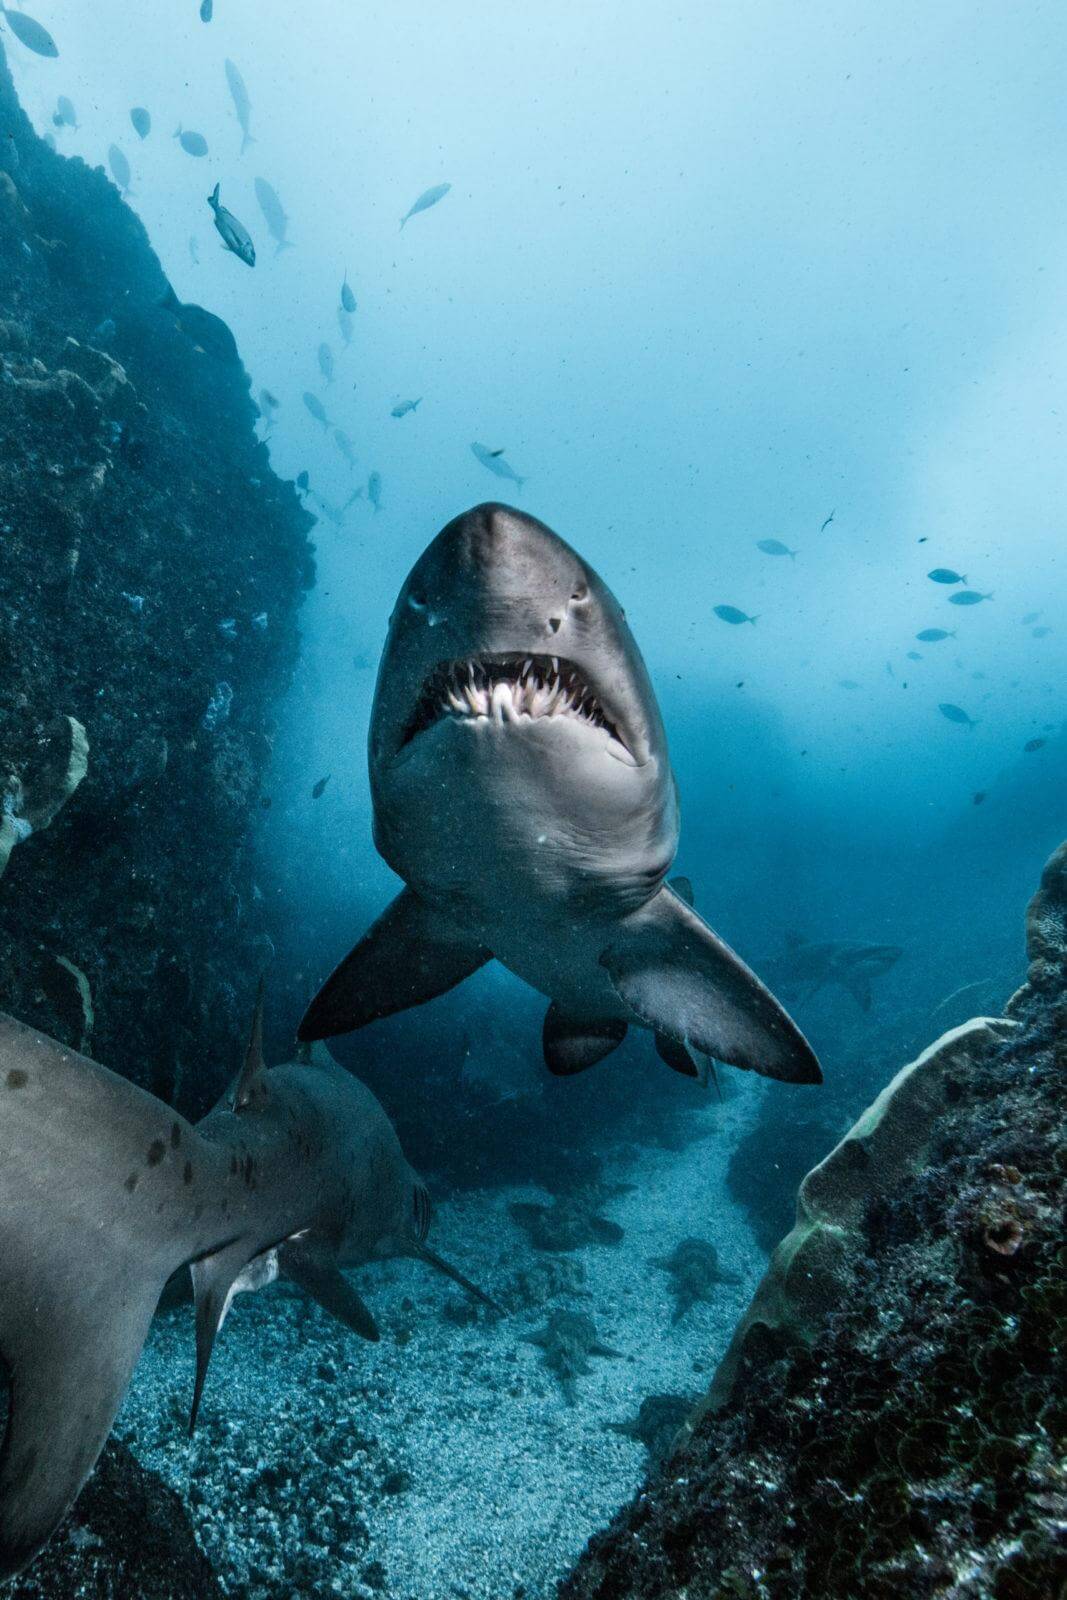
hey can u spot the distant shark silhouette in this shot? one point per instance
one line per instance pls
(809, 967)
(105, 1192)
(523, 790)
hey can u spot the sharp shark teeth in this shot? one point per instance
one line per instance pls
(510, 689)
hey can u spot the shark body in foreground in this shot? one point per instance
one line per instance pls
(105, 1192)
(523, 791)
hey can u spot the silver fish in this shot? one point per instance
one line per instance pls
(242, 105)
(120, 167)
(494, 461)
(194, 144)
(402, 408)
(274, 216)
(326, 362)
(235, 236)
(428, 198)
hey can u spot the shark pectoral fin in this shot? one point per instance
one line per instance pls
(317, 1273)
(410, 955)
(570, 1044)
(682, 980)
(683, 888)
(216, 1279)
(677, 1057)
(424, 1253)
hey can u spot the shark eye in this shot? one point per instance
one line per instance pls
(416, 602)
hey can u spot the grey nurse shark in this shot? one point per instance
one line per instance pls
(105, 1192)
(523, 791)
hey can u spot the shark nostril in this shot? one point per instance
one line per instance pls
(581, 593)
(554, 623)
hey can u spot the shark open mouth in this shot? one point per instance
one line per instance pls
(509, 688)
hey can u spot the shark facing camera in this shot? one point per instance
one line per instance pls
(523, 791)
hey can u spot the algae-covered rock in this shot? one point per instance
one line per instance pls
(38, 788)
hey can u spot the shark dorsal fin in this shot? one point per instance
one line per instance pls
(254, 1063)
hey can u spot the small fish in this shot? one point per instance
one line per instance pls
(316, 408)
(978, 797)
(402, 408)
(843, 683)
(828, 521)
(494, 460)
(302, 480)
(273, 214)
(934, 635)
(967, 597)
(9, 155)
(326, 362)
(732, 615)
(344, 323)
(242, 105)
(923, 539)
(775, 547)
(1034, 744)
(1031, 616)
(64, 115)
(428, 198)
(30, 33)
(348, 299)
(320, 788)
(1040, 633)
(268, 403)
(913, 655)
(194, 144)
(142, 122)
(207, 10)
(945, 575)
(956, 714)
(344, 444)
(235, 236)
(374, 490)
(194, 251)
(120, 167)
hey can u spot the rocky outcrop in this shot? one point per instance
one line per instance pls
(151, 567)
(889, 1419)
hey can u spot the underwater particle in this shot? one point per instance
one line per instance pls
(325, 355)
(428, 198)
(320, 788)
(228, 627)
(315, 407)
(194, 144)
(1040, 633)
(64, 115)
(934, 635)
(194, 250)
(775, 547)
(1034, 744)
(956, 714)
(348, 299)
(242, 105)
(402, 407)
(120, 167)
(374, 490)
(828, 521)
(235, 236)
(142, 122)
(30, 33)
(657, 1422)
(978, 797)
(494, 461)
(733, 615)
(945, 575)
(259, 622)
(134, 601)
(568, 1339)
(695, 1273)
(847, 683)
(570, 1223)
(9, 154)
(1031, 616)
(218, 707)
(273, 214)
(967, 597)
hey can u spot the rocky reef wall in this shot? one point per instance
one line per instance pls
(151, 567)
(889, 1420)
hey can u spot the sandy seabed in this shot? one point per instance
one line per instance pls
(445, 1462)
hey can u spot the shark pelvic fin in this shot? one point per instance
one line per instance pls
(314, 1269)
(683, 888)
(216, 1279)
(677, 1057)
(683, 981)
(570, 1044)
(410, 955)
(254, 1063)
(424, 1253)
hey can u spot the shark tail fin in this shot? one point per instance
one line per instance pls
(246, 140)
(432, 1259)
(283, 244)
(95, 1215)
